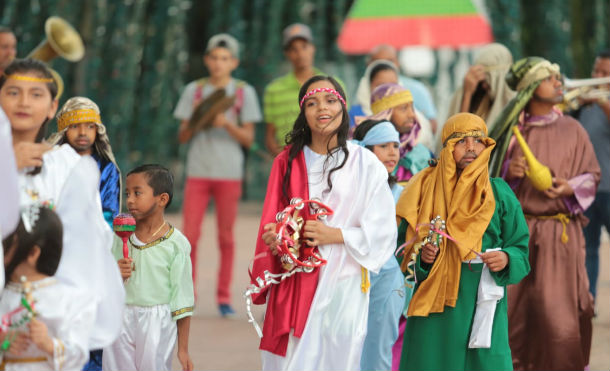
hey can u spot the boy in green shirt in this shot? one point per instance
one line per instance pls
(157, 277)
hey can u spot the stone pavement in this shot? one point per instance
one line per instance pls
(232, 344)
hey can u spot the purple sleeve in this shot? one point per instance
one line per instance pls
(584, 193)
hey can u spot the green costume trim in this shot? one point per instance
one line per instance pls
(155, 242)
(182, 311)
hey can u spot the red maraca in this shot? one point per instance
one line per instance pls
(124, 225)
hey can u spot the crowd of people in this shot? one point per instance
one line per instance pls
(388, 240)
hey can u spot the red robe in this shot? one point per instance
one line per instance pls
(289, 302)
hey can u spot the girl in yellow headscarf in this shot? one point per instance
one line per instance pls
(459, 280)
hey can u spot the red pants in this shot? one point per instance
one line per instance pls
(226, 193)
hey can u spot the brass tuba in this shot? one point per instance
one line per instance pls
(61, 40)
(539, 174)
(592, 88)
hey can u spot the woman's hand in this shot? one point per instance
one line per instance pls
(317, 233)
(429, 253)
(270, 237)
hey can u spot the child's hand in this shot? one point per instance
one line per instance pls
(270, 237)
(495, 260)
(19, 344)
(429, 253)
(40, 336)
(220, 121)
(30, 154)
(185, 360)
(184, 132)
(125, 267)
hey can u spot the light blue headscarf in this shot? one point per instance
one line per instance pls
(384, 132)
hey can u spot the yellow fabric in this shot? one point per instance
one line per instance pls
(77, 117)
(29, 78)
(6, 361)
(465, 203)
(365, 282)
(563, 218)
(391, 101)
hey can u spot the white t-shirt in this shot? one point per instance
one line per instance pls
(213, 153)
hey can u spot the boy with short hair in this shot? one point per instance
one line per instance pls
(157, 279)
(79, 124)
(215, 159)
(281, 107)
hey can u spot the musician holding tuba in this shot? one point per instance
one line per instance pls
(550, 310)
(594, 115)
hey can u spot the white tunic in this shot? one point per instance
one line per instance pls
(364, 211)
(68, 321)
(9, 198)
(71, 182)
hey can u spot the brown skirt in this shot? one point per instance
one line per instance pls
(550, 310)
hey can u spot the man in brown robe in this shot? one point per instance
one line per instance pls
(550, 311)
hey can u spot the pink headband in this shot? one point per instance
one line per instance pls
(318, 90)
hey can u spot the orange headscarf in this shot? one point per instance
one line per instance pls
(466, 203)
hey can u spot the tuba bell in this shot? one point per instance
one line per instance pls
(577, 89)
(61, 40)
(539, 174)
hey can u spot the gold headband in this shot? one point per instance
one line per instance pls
(391, 101)
(473, 133)
(77, 117)
(29, 78)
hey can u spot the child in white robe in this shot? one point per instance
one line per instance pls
(328, 329)
(56, 337)
(59, 176)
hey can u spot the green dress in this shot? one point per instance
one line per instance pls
(440, 341)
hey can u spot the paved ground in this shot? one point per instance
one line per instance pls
(232, 344)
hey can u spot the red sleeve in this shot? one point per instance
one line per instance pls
(263, 259)
(289, 302)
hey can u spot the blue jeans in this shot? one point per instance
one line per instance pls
(599, 215)
(95, 361)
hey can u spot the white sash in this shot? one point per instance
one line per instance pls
(489, 294)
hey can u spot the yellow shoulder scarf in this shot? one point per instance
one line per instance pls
(465, 203)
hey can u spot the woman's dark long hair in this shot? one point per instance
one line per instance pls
(37, 67)
(47, 234)
(300, 136)
(360, 133)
